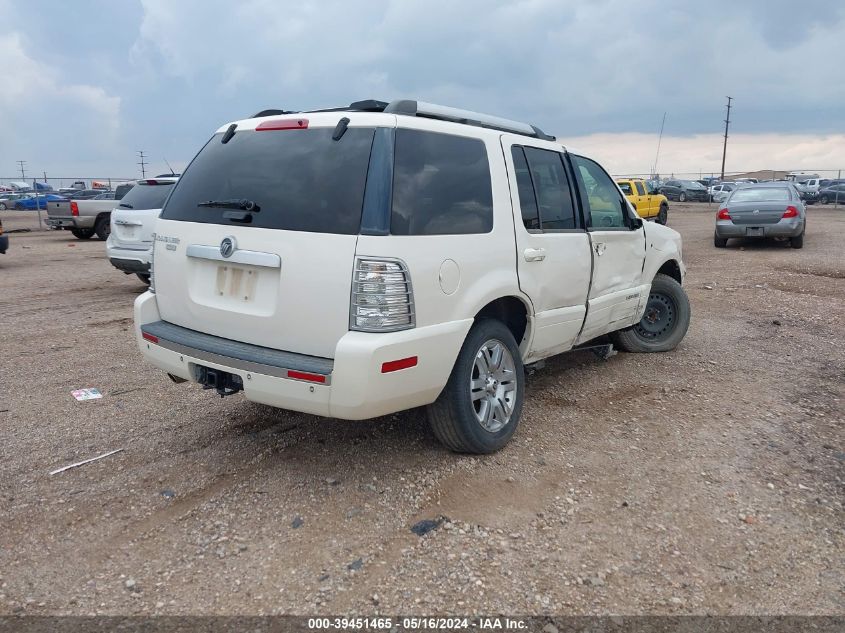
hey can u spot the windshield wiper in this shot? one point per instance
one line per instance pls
(243, 204)
(126, 206)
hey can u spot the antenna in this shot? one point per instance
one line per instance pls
(169, 167)
(142, 163)
(659, 138)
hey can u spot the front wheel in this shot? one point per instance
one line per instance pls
(682, 197)
(663, 214)
(824, 200)
(664, 323)
(479, 409)
(2, 206)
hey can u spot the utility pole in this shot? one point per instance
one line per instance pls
(725, 146)
(22, 163)
(142, 163)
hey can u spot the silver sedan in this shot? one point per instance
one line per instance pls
(772, 209)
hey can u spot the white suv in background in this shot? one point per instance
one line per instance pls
(132, 225)
(361, 261)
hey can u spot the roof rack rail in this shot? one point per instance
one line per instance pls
(264, 113)
(467, 117)
(367, 105)
(431, 111)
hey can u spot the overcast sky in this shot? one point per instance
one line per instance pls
(87, 83)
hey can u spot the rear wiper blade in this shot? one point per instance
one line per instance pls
(243, 204)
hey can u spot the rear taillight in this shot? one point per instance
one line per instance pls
(382, 297)
(791, 212)
(723, 214)
(283, 124)
(152, 287)
(74, 208)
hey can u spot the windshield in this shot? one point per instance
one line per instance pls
(144, 196)
(761, 194)
(300, 180)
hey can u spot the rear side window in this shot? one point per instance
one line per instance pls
(552, 188)
(640, 188)
(441, 185)
(144, 196)
(301, 180)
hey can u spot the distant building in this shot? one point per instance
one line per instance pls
(762, 174)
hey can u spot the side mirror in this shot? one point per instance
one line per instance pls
(636, 223)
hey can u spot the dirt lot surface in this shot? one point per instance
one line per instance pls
(707, 480)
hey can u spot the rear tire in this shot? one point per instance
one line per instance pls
(82, 234)
(479, 409)
(664, 323)
(145, 277)
(2, 206)
(719, 242)
(797, 242)
(824, 200)
(663, 214)
(103, 227)
(682, 197)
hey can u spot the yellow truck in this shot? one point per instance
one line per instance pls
(650, 206)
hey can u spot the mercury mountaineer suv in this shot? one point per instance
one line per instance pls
(364, 260)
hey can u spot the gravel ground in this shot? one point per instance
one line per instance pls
(707, 480)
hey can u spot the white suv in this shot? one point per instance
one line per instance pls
(365, 260)
(130, 242)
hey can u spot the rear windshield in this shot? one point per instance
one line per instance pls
(144, 196)
(760, 194)
(301, 180)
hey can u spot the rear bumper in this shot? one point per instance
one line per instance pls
(128, 260)
(353, 387)
(70, 222)
(790, 227)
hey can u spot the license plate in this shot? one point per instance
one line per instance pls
(755, 231)
(236, 282)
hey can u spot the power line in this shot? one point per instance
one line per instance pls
(725, 146)
(142, 163)
(22, 163)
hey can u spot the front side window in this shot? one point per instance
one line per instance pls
(551, 185)
(441, 185)
(607, 208)
(626, 188)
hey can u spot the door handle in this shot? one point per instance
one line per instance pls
(535, 254)
(599, 248)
